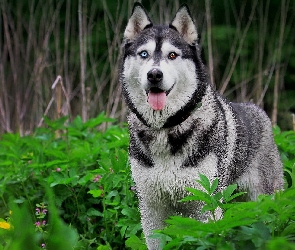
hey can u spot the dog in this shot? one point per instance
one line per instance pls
(180, 126)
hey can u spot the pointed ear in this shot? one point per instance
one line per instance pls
(137, 22)
(184, 24)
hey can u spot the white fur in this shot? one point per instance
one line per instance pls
(169, 180)
(167, 48)
(231, 130)
(149, 46)
(180, 71)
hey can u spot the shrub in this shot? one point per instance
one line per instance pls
(286, 144)
(87, 172)
(268, 223)
(72, 181)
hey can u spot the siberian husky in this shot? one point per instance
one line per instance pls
(180, 127)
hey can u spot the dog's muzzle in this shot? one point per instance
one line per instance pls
(156, 95)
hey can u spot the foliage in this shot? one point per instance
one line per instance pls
(72, 181)
(87, 172)
(268, 223)
(286, 144)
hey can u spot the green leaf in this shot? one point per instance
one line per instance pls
(78, 123)
(56, 124)
(133, 229)
(197, 195)
(173, 244)
(104, 247)
(208, 207)
(135, 243)
(123, 230)
(217, 197)
(19, 200)
(183, 222)
(23, 236)
(56, 163)
(85, 179)
(129, 212)
(228, 191)
(235, 196)
(6, 163)
(58, 231)
(95, 193)
(98, 120)
(214, 186)
(205, 183)
(94, 212)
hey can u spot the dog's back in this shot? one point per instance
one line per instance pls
(264, 171)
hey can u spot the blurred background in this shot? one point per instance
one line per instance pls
(60, 57)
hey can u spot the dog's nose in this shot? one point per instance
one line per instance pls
(155, 76)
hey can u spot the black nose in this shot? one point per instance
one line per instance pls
(155, 76)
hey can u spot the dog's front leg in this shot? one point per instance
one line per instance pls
(153, 216)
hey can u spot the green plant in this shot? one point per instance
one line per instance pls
(286, 145)
(25, 234)
(267, 223)
(213, 199)
(79, 173)
(86, 169)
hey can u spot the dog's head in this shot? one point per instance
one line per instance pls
(161, 71)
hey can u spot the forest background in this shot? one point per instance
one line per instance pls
(60, 57)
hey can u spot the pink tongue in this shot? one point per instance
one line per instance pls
(157, 100)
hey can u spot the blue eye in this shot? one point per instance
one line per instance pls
(143, 54)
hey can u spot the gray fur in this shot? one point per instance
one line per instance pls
(171, 146)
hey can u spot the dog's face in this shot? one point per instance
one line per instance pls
(159, 74)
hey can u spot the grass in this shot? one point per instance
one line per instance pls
(72, 181)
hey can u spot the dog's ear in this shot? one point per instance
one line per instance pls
(184, 24)
(138, 21)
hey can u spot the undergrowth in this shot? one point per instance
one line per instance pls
(86, 171)
(68, 186)
(268, 223)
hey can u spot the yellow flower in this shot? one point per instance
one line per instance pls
(4, 225)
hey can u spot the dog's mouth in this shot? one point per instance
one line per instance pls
(157, 97)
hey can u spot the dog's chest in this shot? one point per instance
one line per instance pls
(168, 177)
(159, 145)
(167, 143)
